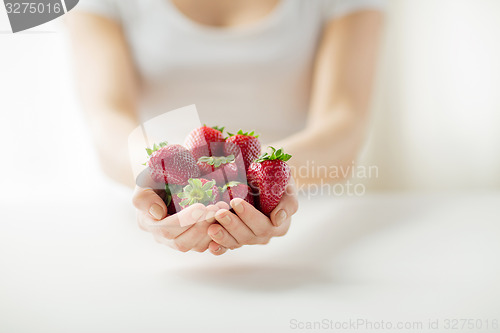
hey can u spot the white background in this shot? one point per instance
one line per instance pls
(72, 259)
(437, 110)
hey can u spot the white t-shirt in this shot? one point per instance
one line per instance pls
(256, 76)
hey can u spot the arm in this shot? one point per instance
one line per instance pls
(108, 88)
(340, 96)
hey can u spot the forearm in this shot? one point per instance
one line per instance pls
(110, 134)
(108, 87)
(335, 141)
(340, 99)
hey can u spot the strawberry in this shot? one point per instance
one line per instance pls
(246, 143)
(171, 164)
(198, 190)
(219, 168)
(174, 203)
(236, 190)
(200, 141)
(171, 199)
(268, 177)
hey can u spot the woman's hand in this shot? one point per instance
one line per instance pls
(250, 226)
(184, 231)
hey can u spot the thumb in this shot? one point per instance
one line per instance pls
(147, 201)
(287, 206)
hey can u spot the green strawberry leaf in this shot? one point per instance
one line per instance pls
(216, 161)
(205, 159)
(156, 147)
(230, 184)
(208, 185)
(220, 129)
(275, 155)
(197, 183)
(197, 192)
(240, 132)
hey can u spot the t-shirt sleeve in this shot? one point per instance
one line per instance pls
(336, 8)
(106, 8)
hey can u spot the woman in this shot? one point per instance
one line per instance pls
(297, 71)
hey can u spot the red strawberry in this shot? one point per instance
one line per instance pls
(200, 140)
(219, 168)
(247, 143)
(268, 177)
(172, 164)
(171, 199)
(198, 190)
(236, 190)
(174, 203)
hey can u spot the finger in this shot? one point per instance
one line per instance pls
(192, 239)
(140, 222)
(192, 214)
(195, 237)
(260, 224)
(222, 205)
(202, 246)
(222, 237)
(210, 216)
(233, 224)
(287, 206)
(147, 201)
(161, 240)
(172, 226)
(168, 228)
(216, 249)
(283, 228)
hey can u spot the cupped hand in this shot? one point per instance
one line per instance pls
(249, 226)
(184, 231)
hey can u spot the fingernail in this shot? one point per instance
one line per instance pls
(237, 205)
(210, 216)
(280, 217)
(196, 214)
(156, 211)
(217, 249)
(225, 218)
(218, 234)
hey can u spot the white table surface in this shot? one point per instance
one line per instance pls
(82, 265)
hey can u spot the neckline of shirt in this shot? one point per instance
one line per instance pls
(186, 23)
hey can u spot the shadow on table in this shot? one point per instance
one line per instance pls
(255, 277)
(308, 256)
(343, 224)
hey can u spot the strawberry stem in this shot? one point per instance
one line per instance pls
(216, 161)
(240, 132)
(196, 192)
(275, 155)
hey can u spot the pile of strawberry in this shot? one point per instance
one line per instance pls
(211, 168)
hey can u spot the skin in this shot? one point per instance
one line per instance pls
(337, 118)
